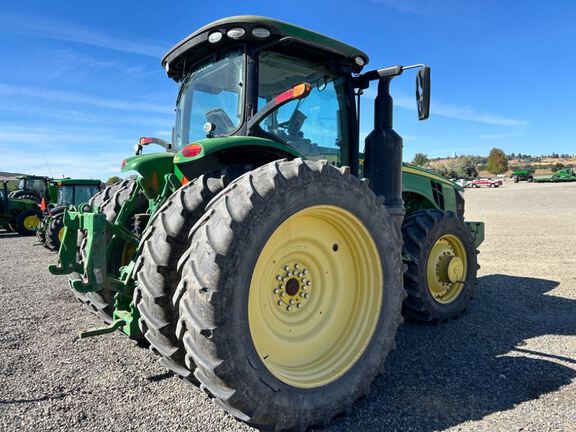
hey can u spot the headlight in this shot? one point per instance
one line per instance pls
(236, 32)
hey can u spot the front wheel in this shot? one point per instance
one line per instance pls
(27, 222)
(292, 294)
(55, 232)
(442, 266)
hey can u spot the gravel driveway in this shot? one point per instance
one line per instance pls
(509, 364)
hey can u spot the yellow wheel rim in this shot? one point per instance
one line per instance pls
(446, 269)
(31, 222)
(60, 234)
(315, 296)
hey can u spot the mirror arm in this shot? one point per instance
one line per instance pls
(363, 81)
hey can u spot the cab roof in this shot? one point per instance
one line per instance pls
(196, 46)
(77, 182)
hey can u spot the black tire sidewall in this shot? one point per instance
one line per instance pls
(249, 240)
(449, 225)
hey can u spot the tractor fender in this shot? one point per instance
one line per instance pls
(213, 154)
(152, 167)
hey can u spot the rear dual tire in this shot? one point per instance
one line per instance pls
(296, 214)
(158, 270)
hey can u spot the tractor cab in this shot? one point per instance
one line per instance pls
(75, 191)
(32, 187)
(293, 91)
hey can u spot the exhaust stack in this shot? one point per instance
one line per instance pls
(383, 154)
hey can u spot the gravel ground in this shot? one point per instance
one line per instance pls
(509, 364)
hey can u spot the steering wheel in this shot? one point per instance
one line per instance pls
(220, 119)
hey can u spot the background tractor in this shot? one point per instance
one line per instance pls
(34, 188)
(68, 192)
(560, 176)
(523, 174)
(256, 255)
(18, 214)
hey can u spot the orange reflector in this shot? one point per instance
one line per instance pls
(43, 204)
(123, 164)
(300, 90)
(191, 150)
(184, 180)
(146, 140)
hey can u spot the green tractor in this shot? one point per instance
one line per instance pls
(254, 255)
(524, 174)
(68, 192)
(564, 175)
(19, 215)
(34, 188)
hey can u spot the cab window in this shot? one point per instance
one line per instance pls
(316, 126)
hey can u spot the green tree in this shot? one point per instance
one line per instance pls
(497, 161)
(466, 167)
(420, 159)
(112, 180)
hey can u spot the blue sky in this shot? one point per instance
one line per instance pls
(80, 82)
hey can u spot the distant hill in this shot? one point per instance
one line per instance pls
(10, 174)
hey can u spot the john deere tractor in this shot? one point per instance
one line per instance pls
(18, 214)
(34, 188)
(255, 255)
(68, 192)
(523, 174)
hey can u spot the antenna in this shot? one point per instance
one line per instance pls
(47, 165)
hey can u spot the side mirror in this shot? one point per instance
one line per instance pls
(423, 92)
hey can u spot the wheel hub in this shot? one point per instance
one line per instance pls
(446, 269)
(455, 269)
(31, 222)
(315, 296)
(293, 287)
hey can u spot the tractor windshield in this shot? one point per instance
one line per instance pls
(316, 126)
(31, 184)
(68, 195)
(212, 91)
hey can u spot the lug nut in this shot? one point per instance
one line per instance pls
(308, 283)
(304, 271)
(278, 277)
(289, 308)
(276, 290)
(280, 302)
(296, 266)
(292, 301)
(299, 305)
(286, 268)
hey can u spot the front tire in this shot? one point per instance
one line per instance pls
(55, 232)
(442, 266)
(292, 294)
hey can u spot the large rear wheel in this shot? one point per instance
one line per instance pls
(292, 294)
(158, 273)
